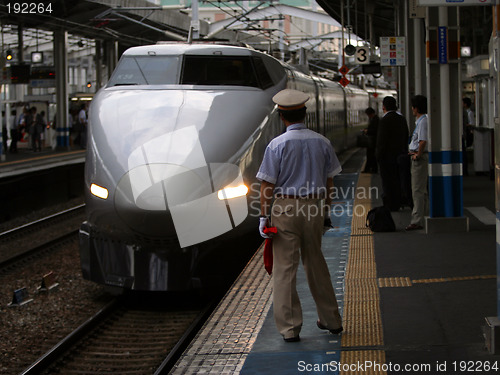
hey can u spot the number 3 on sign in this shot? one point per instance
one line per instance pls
(362, 55)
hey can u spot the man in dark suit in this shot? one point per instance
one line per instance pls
(392, 141)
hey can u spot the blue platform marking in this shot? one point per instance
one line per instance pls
(446, 184)
(318, 352)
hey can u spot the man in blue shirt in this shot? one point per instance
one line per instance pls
(298, 170)
(419, 163)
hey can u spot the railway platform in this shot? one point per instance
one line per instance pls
(26, 161)
(411, 302)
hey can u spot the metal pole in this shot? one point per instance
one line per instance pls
(444, 79)
(61, 65)
(417, 39)
(195, 20)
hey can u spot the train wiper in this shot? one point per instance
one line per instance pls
(125, 84)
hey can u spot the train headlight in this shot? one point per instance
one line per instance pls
(232, 192)
(99, 191)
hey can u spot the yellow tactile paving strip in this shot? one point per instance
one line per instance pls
(363, 334)
(392, 282)
(362, 317)
(366, 362)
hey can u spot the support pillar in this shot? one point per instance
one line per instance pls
(492, 327)
(111, 56)
(444, 93)
(61, 67)
(2, 120)
(98, 65)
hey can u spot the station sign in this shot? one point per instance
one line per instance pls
(393, 51)
(443, 45)
(344, 81)
(362, 55)
(441, 3)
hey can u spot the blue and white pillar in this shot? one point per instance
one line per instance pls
(444, 94)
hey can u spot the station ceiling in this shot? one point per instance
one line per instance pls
(108, 20)
(97, 19)
(102, 19)
(356, 15)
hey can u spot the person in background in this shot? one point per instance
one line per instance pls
(5, 134)
(298, 168)
(392, 141)
(419, 163)
(82, 121)
(37, 129)
(14, 133)
(467, 132)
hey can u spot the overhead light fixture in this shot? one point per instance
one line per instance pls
(37, 57)
(465, 51)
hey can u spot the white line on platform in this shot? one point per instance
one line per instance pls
(483, 214)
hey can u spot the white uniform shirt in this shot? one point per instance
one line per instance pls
(298, 162)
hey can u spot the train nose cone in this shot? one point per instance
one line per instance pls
(170, 182)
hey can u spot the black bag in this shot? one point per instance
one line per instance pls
(362, 140)
(379, 219)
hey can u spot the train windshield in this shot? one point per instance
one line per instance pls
(145, 70)
(218, 70)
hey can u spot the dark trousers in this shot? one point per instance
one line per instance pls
(36, 138)
(465, 161)
(14, 135)
(371, 161)
(404, 168)
(391, 185)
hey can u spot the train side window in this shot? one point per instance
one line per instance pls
(145, 70)
(218, 70)
(274, 68)
(262, 73)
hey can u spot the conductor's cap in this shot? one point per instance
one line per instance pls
(288, 99)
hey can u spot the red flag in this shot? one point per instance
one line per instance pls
(268, 250)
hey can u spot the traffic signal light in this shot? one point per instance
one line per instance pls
(8, 55)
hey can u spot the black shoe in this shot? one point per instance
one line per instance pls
(334, 331)
(292, 339)
(414, 227)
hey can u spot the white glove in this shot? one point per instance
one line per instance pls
(262, 225)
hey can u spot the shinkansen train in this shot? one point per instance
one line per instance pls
(175, 140)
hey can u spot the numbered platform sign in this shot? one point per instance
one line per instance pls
(362, 55)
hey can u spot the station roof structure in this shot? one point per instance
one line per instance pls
(130, 22)
(139, 22)
(383, 15)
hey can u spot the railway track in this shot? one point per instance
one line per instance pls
(121, 339)
(27, 240)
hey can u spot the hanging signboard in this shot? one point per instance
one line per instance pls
(441, 3)
(443, 44)
(392, 51)
(415, 10)
(362, 55)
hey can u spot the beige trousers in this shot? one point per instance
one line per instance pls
(419, 191)
(300, 227)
